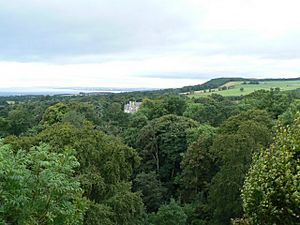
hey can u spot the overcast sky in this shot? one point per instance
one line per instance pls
(146, 43)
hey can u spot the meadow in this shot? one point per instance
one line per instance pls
(240, 88)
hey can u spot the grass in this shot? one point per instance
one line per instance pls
(235, 89)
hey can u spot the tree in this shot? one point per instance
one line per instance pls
(271, 190)
(152, 109)
(174, 104)
(169, 214)
(289, 116)
(136, 122)
(274, 102)
(54, 114)
(197, 164)
(18, 121)
(39, 187)
(213, 110)
(198, 168)
(194, 111)
(161, 144)
(238, 138)
(152, 191)
(106, 165)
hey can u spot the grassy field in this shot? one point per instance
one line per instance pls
(235, 88)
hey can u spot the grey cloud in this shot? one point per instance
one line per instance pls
(198, 76)
(35, 31)
(65, 31)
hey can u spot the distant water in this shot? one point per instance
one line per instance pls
(65, 91)
(49, 91)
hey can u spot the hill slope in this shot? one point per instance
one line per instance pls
(240, 86)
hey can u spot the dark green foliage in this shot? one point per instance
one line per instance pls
(167, 104)
(239, 138)
(136, 122)
(152, 109)
(213, 110)
(152, 191)
(105, 168)
(211, 84)
(169, 214)
(174, 104)
(273, 101)
(197, 171)
(197, 164)
(74, 118)
(162, 144)
(202, 167)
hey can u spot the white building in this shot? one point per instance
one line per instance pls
(132, 107)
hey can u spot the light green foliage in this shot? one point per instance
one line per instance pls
(239, 221)
(39, 187)
(289, 116)
(169, 214)
(271, 193)
(54, 114)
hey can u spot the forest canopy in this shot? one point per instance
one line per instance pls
(177, 160)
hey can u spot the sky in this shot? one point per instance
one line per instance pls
(146, 43)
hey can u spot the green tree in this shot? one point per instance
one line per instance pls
(169, 214)
(238, 138)
(136, 122)
(197, 164)
(106, 166)
(274, 102)
(289, 116)
(213, 110)
(152, 109)
(198, 168)
(18, 121)
(151, 188)
(194, 111)
(39, 187)
(174, 104)
(54, 114)
(161, 144)
(271, 190)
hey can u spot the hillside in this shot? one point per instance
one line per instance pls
(240, 86)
